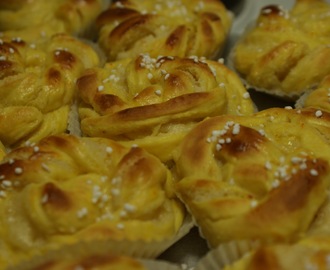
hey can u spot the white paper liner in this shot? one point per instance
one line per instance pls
(137, 249)
(84, 250)
(160, 265)
(226, 254)
(300, 102)
(74, 121)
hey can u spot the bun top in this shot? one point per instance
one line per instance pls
(275, 53)
(90, 256)
(34, 19)
(171, 28)
(155, 101)
(37, 85)
(67, 189)
(264, 176)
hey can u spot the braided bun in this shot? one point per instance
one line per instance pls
(176, 28)
(264, 177)
(37, 85)
(275, 54)
(154, 102)
(34, 19)
(67, 189)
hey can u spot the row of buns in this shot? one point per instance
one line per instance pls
(120, 130)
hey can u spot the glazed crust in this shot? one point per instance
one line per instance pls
(37, 86)
(274, 55)
(264, 177)
(176, 28)
(67, 189)
(155, 102)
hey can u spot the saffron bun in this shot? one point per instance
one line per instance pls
(94, 255)
(35, 19)
(68, 189)
(37, 85)
(309, 253)
(264, 177)
(176, 28)
(316, 98)
(154, 102)
(275, 53)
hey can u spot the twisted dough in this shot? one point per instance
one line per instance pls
(67, 189)
(34, 19)
(285, 54)
(264, 177)
(174, 28)
(37, 85)
(154, 102)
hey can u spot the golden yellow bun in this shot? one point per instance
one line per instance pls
(176, 28)
(284, 53)
(255, 178)
(310, 253)
(33, 19)
(37, 85)
(67, 189)
(154, 102)
(317, 98)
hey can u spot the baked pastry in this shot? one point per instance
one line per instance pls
(37, 85)
(67, 189)
(263, 177)
(91, 256)
(310, 253)
(31, 20)
(317, 98)
(275, 54)
(177, 28)
(154, 102)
